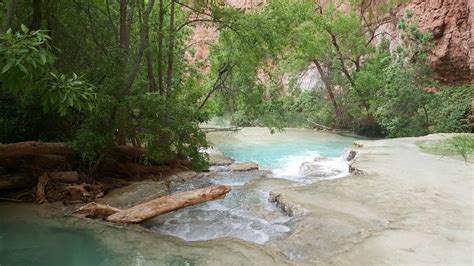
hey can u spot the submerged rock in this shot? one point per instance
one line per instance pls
(245, 166)
(355, 171)
(219, 160)
(350, 154)
(235, 167)
(319, 168)
(285, 205)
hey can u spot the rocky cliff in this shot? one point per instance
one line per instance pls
(450, 22)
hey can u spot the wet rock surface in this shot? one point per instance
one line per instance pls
(217, 158)
(245, 166)
(318, 168)
(408, 208)
(134, 194)
(286, 205)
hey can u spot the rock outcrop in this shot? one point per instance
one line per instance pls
(286, 205)
(450, 22)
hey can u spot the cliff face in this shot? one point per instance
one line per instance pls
(450, 22)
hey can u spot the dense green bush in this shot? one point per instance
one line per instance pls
(35, 102)
(450, 108)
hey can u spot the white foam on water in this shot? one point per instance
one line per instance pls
(245, 212)
(195, 224)
(290, 165)
(329, 168)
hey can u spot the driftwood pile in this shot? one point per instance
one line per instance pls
(43, 171)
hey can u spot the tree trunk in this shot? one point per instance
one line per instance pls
(149, 67)
(65, 177)
(37, 15)
(169, 80)
(151, 209)
(327, 85)
(142, 46)
(7, 21)
(111, 22)
(160, 48)
(95, 211)
(346, 72)
(34, 148)
(146, 32)
(124, 33)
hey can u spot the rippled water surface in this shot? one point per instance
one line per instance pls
(283, 152)
(246, 213)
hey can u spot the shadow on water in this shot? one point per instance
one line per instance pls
(25, 243)
(28, 238)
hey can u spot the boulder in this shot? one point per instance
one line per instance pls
(285, 205)
(350, 154)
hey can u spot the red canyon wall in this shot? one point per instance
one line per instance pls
(450, 22)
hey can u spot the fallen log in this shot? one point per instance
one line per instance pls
(16, 181)
(59, 148)
(65, 177)
(95, 211)
(34, 148)
(320, 126)
(148, 210)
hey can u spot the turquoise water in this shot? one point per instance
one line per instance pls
(26, 238)
(245, 212)
(273, 155)
(31, 235)
(280, 151)
(39, 243)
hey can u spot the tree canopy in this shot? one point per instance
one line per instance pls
(112, 72)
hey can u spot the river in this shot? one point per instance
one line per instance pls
(245, 213)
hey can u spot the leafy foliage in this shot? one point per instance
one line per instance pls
(26, 59)
(449, 109)
(135, 83)
(64, 93)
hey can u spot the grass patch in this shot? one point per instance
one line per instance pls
(462, 145)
